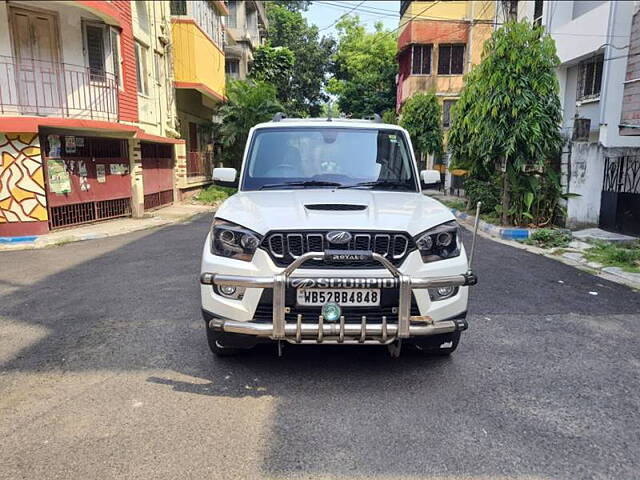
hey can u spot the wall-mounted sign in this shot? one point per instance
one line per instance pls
(54, 146)
(70, 144)
(101, 172)
(80, 142)
(119, 169)
(59, 180)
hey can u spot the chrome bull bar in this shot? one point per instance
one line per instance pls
(363, 333)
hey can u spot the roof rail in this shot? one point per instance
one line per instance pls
(278, 116)
(377, 118)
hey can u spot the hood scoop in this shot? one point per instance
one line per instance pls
(335, 207)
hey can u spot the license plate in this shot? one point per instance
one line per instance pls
(345, 297)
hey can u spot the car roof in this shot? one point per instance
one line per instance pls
(328, 123)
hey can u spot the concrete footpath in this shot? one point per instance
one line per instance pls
(175, 213)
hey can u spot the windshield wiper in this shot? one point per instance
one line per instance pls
(306, 183)
(378, 183)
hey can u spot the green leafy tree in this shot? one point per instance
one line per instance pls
(249, 103)
(293, 5)
(274, 65)
(421, 117)
(364, 69)
(389, 116)
(312, 55)
(508, 116)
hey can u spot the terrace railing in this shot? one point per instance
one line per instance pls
(35, 87)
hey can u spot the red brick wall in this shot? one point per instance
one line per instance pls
(433, 31)
(128, 100)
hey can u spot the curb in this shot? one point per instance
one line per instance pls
(613, 274)
(14, 240)
(42, 241)
(494, 230)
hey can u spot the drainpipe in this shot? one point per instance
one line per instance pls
(607, 67)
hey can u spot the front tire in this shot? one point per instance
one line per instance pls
(217, 346)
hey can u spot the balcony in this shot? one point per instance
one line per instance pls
(37, 88)
(198, 62)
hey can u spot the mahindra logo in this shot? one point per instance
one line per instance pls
(339, 237)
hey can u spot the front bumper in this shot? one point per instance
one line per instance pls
(317, 330)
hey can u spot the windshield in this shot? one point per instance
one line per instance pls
(326, 157)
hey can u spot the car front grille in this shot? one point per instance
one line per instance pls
(285, 247)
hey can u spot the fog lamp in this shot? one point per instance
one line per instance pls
(445, 291)
(227, 290)
(331, 312)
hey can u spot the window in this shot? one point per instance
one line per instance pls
(421, 60)
(590, 78)
(446, 112)
(450, 59)
(141, 70)
(158, 67)
(178, 7)
(343, 155)
(94, 48)
(537, 12)
(232, 68)
(232, 18)
(114, 37)
(143, 16)
(580, 7)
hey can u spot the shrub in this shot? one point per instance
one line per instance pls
(549, 238)
(214, 194)
(487, 192)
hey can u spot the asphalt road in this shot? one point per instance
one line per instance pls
(105, 373)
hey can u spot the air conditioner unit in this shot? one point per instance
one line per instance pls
(581, 129)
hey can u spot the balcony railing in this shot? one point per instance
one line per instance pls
(199, 164)
(34, 87)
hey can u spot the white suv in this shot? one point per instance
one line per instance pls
(330, 240)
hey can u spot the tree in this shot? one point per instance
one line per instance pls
(293, 5)
(508, 116)
(274, 65)
(249, 103)
(288, 28)
(364, 69)
(421, 117)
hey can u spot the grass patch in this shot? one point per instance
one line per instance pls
(456, 204)
(214, 194)
(627, 257)
(549, 238)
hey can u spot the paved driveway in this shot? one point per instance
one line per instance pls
(105, 373)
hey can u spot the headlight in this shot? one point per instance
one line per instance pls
(233, 241)
(439, 243)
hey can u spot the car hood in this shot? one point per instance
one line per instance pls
(264, 211)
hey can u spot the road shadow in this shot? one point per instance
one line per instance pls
(515, 389)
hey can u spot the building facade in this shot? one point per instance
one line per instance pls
(106, 108)
(598, 79)
(199, 80)
(246, 27)
(438, 42)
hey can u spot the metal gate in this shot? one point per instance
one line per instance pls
(620, 204)
(157, 174)
(88, 179)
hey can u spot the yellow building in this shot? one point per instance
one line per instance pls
(197, 32)
(438, 42)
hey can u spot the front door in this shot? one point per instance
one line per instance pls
(620, 203)
(37, 65)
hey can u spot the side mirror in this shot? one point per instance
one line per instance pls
(225, 177)
(430, 178)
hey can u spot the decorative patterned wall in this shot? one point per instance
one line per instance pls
(22, 192)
